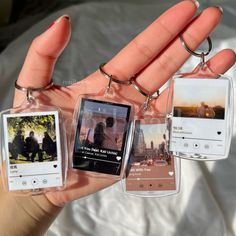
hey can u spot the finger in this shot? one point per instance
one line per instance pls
(43, 53)
(219, 64)
(222, 61)
(174, 56)
(147, 45)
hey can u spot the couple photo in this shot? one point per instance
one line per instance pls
(104, 135)
(101, 125)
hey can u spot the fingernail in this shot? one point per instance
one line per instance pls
(220, 8)
(58, 20)
(62, 17)
(197, 4)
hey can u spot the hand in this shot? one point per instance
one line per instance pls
(154, 56)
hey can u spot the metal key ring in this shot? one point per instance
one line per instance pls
(25, 89)
(195, 53)
(30, 90)
(149, 97)
(111, 78)
(137, 87)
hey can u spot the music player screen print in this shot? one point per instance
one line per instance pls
(199, 116)
(151, 167)
(101, 135)
(33, 150)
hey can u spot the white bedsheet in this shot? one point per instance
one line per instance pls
(206, 205)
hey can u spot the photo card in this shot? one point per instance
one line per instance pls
(151, 168)
(199, 124)
(101, 136)
(32, 150)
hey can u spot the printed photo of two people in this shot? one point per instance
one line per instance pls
(101, 126)
(200, 100)
(31, 138)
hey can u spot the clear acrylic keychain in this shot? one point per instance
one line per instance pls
(151, 171)
(101, 123)
(33, 146)
(201, 106)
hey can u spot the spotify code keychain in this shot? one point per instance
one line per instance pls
(33, 146)
(101, 130)
(151, 170)
(201, 108)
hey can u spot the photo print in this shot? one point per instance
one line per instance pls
(199, 116)
(200, 100)
(33, 150)
(151, 167)
(100, 138)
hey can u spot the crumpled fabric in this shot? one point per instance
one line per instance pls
(206, 204)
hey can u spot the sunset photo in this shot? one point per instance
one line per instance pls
(199, 100)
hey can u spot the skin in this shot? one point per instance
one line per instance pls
(156, 55)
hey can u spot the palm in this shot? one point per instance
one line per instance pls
(154, 56)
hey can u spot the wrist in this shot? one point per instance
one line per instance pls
(26, 215)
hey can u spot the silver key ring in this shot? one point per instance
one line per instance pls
(195, 53)
(24, 89)
(30, 90)
(150, 96)
(111, 78)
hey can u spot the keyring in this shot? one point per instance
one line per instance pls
(111, 78)
(153, 96)
(149, 97)
(203, 54)
(30, 90)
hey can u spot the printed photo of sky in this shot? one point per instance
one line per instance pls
(100, 107)
(193, 94)
(153, 133)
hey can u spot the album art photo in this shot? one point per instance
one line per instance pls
(199, 99)
(33, 150)
(200, 109)
(100, 137)
(151, 167)
(31, 139)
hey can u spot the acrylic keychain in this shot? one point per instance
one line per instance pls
(33, 146)
(151, 171)
(201, 105)
(101, 124)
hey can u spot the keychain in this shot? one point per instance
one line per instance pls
(33, 145)
(201, 118)
(151, 171)
(101, 130)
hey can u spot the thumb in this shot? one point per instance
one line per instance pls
(43, 53)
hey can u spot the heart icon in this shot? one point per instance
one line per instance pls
(219, 132)
(171, 173)
(118, 158)
(55, 166)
